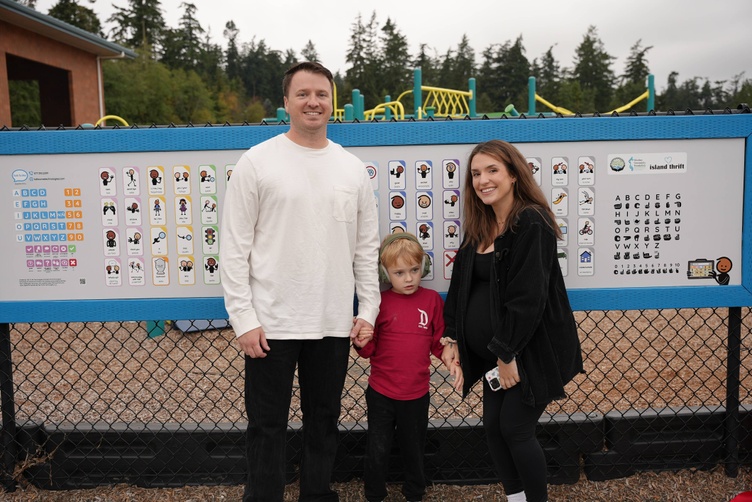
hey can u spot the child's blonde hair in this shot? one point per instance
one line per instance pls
(400, 246)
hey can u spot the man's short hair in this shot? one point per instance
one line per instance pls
(305, 66)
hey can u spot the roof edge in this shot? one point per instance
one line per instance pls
(26, 17)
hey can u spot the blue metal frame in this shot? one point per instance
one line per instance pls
(518, 130)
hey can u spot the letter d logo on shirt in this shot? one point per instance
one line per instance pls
(423, 319)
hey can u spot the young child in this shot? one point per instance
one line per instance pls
(408, 330)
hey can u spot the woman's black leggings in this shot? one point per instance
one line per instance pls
(515, 450)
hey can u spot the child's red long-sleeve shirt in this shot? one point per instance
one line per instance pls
(407, 331)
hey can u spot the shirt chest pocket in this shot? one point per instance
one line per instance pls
(345, 203)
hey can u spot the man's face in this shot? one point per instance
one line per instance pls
(309, 101)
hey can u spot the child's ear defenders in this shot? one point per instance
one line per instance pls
(383, 275)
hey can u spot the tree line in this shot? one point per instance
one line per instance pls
(181, 76)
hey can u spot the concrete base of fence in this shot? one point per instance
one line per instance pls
(658, 440)
(616, 445)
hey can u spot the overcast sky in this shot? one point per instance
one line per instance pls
(695, 38)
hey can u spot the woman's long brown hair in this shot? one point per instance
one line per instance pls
(480, 227)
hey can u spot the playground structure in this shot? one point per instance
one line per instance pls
(430, 102)
(451, 103)
(438, 102)
(648, 96)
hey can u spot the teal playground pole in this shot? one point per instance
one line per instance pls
(471, 88)
(349, 112)
(531, 95)
(361, 107)
(651, 92)
(387, 110)
(358, 111)
(417, 91)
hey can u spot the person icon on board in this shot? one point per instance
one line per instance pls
(723, 266)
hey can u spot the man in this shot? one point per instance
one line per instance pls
(300, 236)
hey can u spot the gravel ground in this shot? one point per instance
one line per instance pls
(683, 486)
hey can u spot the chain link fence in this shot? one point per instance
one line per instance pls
(161, 404)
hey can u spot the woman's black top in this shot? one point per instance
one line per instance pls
(478, 320)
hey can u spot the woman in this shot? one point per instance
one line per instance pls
(507, 308)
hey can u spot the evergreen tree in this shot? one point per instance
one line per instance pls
(574, 98)
(592, 69)
(706, 96)
(365, 61)
(232, 55)
(430, 71)
(548, 76)
(138, 25)
(309, 53)
(634, 80)
(71, 12)
(514, 72)
(182, 47)
(395, 66)
(356, 54)
(636, 70)
(458, 66)
(261, 72)
(739, 92)
(339, 84)
(689, 95)
(669, 99)
(721, 94)
(428, 64)
(504, 74)
(487, 86)
(210, 61)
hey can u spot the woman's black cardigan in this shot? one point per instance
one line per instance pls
(532, 319)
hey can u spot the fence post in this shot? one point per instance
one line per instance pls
(8, 432)
(731, 426)
(731, 422)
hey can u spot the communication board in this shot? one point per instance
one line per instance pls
(114, 220)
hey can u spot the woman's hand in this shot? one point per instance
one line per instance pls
(509, 375)
(451, 358)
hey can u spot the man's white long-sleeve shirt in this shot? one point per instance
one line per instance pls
(299, 236)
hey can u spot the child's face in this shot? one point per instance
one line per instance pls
(404, 276)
